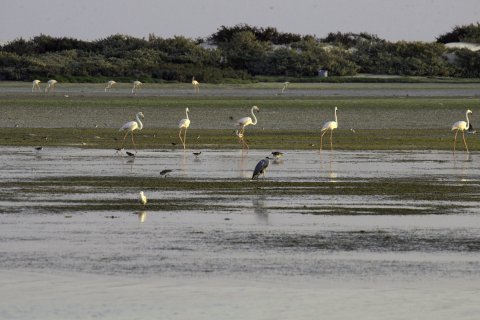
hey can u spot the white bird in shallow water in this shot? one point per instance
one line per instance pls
(196, 85)
(51, 85)
(183, 125)
(136, 86)
(131, 126)
(110, 85)
(36, 85)
(462, 126)
(243, 122)
(261, 168)
(329, 125)
(143, 198)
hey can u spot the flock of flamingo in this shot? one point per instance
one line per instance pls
(241, 124)
(110, 85)
(329, 126)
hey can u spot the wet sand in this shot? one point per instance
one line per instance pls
(264, 251)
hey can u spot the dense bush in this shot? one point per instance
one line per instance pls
(239, 52)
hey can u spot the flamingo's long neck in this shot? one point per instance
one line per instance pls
(336, 120)
(468, 120)
(186, 112)
(140, 124)
(254, 118)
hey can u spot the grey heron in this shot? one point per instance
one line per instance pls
(261, 167)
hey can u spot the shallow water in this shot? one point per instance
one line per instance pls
(256, 257)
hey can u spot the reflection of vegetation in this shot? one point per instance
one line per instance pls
(238, 52)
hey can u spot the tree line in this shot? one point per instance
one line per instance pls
(241, 52)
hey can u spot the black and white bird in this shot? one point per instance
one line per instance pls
(39, 149)
(197, 154)
(277, 154)
(261, 168)
(130, 154)
(165, 172)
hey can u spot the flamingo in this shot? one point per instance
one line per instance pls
(136, 85)
(110, 85)
(329, 125)
(51, 85)
(36, 85)
(285, 85)
(243, 122)
(196, 85)
(131, 126)
(461, 126)
(184, 124)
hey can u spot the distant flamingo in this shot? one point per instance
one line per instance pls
(183, 125)
(51, 85)
(196, 85)
(329, 125)
(36, 85)
(110, 85)
(136, 85)
(461, 126)
(131, 126)
(285, 86)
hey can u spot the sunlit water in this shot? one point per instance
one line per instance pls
(258, 260)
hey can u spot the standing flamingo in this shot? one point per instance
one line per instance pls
(51, 85)
(329, 125)
(184, 124)
(136, 85)
(242, 123)
(196, 85)
(110, 85)
(36, 85)
(461, 126)
(131, 126)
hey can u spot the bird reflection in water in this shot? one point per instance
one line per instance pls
(142, 215)
(260, 210)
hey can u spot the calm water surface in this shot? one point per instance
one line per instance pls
(259, 259)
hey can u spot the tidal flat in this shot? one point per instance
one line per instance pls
(389, 221)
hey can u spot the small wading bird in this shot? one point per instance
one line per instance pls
(110, 85)
(277, 154)
(143, 198)
(51, 85)
(165, 172)
(131, 126)
(136, 86)
(130, 154)
(196, 85)
(242, 123)
(462, 126)
(261, 168)
(36, 85)
(329, 125)
(183, 125)
(197, 154)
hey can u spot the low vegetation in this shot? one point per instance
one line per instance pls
(239, 53)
